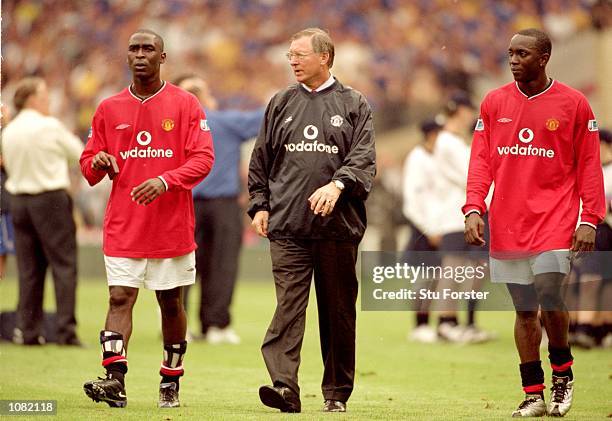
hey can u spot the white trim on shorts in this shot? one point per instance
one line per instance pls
(523, 271)
(154, 274)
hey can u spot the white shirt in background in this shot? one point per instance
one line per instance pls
(420, 204)
(36, 153)
(452, 158)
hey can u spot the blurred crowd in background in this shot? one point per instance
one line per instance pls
(404, 55)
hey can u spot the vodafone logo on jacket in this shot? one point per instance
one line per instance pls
(311, 132)
(144, 138)
(525, 148)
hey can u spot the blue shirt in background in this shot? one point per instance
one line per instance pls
(229, 128)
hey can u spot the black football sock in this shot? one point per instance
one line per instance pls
(561, 361)
(532, 378)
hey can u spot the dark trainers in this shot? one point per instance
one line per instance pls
(168, 395)
(561, 396)
(334, 406)
(106, 390)
(280, 397)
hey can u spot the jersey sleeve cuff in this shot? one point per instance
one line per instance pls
(163, 181)
(590, 219)
(471, 211)
(589, 224)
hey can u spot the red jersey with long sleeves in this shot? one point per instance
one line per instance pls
(165, 135)
(542, 153)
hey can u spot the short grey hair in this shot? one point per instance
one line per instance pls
(321, 42)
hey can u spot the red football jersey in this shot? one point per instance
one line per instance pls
(542, 153)
(165, 135)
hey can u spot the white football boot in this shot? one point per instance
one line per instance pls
(532, 406)
(561, 395)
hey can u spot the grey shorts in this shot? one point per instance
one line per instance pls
(522, 271)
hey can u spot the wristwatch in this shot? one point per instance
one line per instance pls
(339, 184)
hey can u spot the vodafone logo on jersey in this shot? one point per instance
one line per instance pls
(525, 135)
(525, 148)
(144, 138)
(311, 132)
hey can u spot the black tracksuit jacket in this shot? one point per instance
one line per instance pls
(308, 139)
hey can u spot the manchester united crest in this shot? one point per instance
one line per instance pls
(552, 124)
(336, 121)
(167, 124)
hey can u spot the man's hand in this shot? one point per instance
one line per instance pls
(148, 191)
(474, 230)
(103, 161)
(323, 200)
(583, 239)
(260, 223)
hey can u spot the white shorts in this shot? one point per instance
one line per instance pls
(522, 271)
(155, 274)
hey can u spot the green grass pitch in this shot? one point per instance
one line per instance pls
(396, 379)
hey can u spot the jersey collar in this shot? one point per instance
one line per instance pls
(536, 95)
(149, 98)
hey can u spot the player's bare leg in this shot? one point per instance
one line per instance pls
(555, 316)
(549, 288)
(174, 328)
(174, 319)
(527, 337)
(114, 340)
(120, 307)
